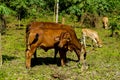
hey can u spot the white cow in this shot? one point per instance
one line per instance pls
(105, 22)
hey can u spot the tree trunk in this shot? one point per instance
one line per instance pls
(97, 21)
(82, 18)
(2, 30)
(0, 52)
(2, 24)
(57, 8)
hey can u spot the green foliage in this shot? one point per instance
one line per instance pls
(2, 75)
(26, 8)
(114, 22)
(80, 7)
(115, 26)
(86, 11)
(77, 7)
(20, 6)
(4, 10)
(114, 6)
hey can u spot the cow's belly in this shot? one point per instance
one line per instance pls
(46, 47)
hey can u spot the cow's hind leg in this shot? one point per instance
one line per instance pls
(35, 55)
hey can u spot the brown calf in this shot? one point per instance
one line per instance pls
(37, 25)
(93, 35)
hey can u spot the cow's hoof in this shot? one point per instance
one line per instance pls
(100, 46)
(84, 68)
(28, 67)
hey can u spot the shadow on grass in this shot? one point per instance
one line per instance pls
(47, 61)
(8, 58)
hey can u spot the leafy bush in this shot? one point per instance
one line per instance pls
(114, 25)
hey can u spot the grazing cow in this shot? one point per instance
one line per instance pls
(93, 35)
(37, 25)
(105, 22)
(48, 35)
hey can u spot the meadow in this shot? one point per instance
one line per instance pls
(104, 63)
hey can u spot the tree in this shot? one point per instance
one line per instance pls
(56, 10)
(88, 12)
(3, 11)
(28, 8)
(0, 52)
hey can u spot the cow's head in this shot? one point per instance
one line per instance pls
(63, 39)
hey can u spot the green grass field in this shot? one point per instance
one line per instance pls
(104, 63)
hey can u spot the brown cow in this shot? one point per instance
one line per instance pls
(105, 22)
(37, 25)
(51, 35)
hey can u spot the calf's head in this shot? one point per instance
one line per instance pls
(63, 39)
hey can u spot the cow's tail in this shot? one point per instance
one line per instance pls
(27, 34)
(32, 38)
(27, 42)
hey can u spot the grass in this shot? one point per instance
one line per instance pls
(104, 63)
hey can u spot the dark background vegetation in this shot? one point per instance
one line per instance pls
(104, 63)
(86, 12)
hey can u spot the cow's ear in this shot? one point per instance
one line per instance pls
(57, 38)
(68, 36)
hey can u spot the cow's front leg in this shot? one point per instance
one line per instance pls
(95, 42)
(28, 55)
(28, 58)
(62, 57)
(84, 40)
(56, 51)
(78, 55)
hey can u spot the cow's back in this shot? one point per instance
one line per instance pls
(51, 25)
(45, 36)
